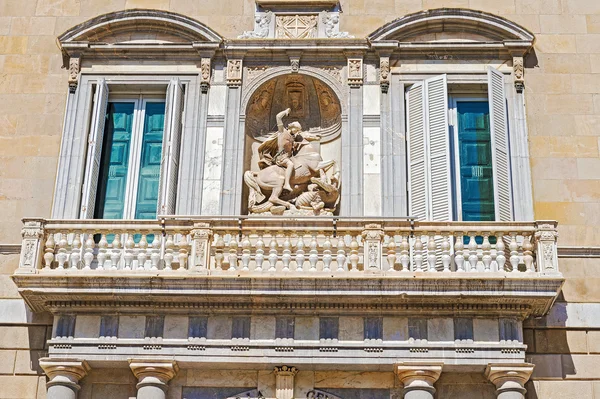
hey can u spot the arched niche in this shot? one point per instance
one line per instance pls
(313, 102)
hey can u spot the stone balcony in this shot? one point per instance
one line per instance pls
(398, 264)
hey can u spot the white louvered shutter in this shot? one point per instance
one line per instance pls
(169, 169)
(417, 152)
(436, 116)
(500, 151)
(94, 151)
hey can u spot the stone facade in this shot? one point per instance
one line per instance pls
(559, 79)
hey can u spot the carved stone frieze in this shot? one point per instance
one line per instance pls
(334, 71)
(355, 71)
(253, 72)
(234, 72)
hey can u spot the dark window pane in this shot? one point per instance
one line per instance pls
(373, 327)
(328, 328)
(509, 330)
(284, 327)
(109, 326)
(65, 326)
(198, 327)
(241, 327)
(417, 328)
(155, 326)
(463, 328)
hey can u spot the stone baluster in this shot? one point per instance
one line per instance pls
(405, 254)
(259, 258)
(431, 255)
(115, 253)
(418, 378)
(418, 254)
(546, 250)
(446, 253)
(273, 254)
(514, 252)
(169, 245)
(88, 252)
(155, 252)
(486, 247)
(61, 257)
(233, 253)
(142, 254)
(286, 257)
(509, 379)
(341, 254)
(354, 254)
(459, 257)
(327, 258)
(75, 251)
(300, 254)
(153, 376)
(500, 248)
(473, 257)
(284, 382)
(313, 256)
(391, 254)
(246, 253)
(528, 255)
(494, 255)
(49, 252)
(184, 252)
(102, 251)
(63, 376)
(129, 246)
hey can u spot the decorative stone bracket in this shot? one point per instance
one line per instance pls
(74, 70)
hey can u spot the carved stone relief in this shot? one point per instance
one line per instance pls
(259, 110)
(519, 71)
(331, 22)
(253, 72)
(355, 71)
(74, 68)
(296, 26)
(384, 73)
(262, 26)
(328, 105)
(204, 74)
(234, 72)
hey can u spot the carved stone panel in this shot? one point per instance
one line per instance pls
(234, 72)
(296, 26)
(355, 71)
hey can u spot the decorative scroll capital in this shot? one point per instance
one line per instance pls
(509, 377)
(205, 71)
(384, 73)
(234, 72)
(67, 372)
(355, 72)
(285, 371)
(74, 69)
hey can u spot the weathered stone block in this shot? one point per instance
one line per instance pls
(87, 326)
(176, 327)
(581, 367)
(27, 362)
(132, 327)
(307, 328)
(439, 329)
(31, 337)
(395, 329)
(7, 361)
(562, 389)
(222, 378)
(560, 341)
(485, 330)
(32, 26)
(262, 327)
(353, 379)
(219, 327)
(19, 387)
(563, 23)
(351, 329)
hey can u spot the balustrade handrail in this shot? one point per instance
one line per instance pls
(321, 244)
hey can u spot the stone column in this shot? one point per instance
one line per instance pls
(418, 378)
(284, 382)
(153, 376)
(64, 375)
(509, 379)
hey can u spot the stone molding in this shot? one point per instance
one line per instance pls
(418, 376)
(67, 372)
(509, 377)
(153, 372)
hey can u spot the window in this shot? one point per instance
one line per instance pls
(109, 326)
(65, 326)
(373, 328)
(463, 329)
(328, 327)
(509, 330)
(155, 326)
(459, 166)
(198, 327)
(241, 327)
(417, 328)
(284, 327)
(133, 153)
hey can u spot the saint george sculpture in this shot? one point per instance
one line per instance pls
(293, 177)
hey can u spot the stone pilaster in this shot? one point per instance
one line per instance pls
(418, 378)
(284, 382)
(373, 235)
(509, 379)
(64, 376)
(153, 376)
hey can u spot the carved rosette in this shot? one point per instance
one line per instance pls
(355, 71)
(74, 69)
(205, 69)
(234, 72)
(519, 73)
(384, 73)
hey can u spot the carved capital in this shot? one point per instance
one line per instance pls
(384, 73)
(509, 377)
(74, 69)
(519, 73)
(205, 72)
(355, 71)
(417, 376)
(67, 372)
(234, 72)
(155, 372)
